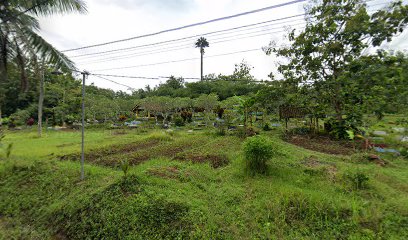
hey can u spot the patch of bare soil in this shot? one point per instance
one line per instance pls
(322, 144)
(169, 150)
(215, 161)
(96, 154)
(65, 145)
(313, 162)
(119, 132)
(164, 172)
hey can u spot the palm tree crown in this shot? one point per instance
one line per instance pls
(202, 43)
(20, 42)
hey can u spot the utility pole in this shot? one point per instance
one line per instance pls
(84, 75)
(41, 102)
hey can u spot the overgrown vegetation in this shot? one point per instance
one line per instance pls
(324, 141)
(304, 195)
(257, 151)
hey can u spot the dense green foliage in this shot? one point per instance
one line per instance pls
(257, 151)
(191, 181)
(174, 198)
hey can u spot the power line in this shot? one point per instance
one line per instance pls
(181, 60)
(121, 76)
(189, 26)
(181, 47)
(189, 45)
(120, 84)
(175, 48)
(194, 36)
(161, 77)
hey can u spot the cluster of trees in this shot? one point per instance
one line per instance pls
(62, 95)
(326, 69)
(239, 83)
(24, 53)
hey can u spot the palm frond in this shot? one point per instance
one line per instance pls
(20, 60)
(49, 7)
(46, 51)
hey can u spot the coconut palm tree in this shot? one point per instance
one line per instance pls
(202, 43)
(20, 43)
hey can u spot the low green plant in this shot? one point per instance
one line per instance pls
(359, 180)
(257, 151)
(124, 165)
(7, 148)
(178, 121)
(161, 136)
(404, 152)
(266, 127)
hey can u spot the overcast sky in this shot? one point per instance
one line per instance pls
(109, 20)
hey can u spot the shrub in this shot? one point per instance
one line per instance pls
(359, 180)
(20, 117)
(404, 152)
(257, 151)
(338, 128)
(178, 121)
(266, 127)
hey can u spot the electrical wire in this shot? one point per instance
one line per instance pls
(188, 26)
(180, 60)
(188, 45)
(175, 48)
(120, 84)
(165, 77)
(194, 36)
(180, 47)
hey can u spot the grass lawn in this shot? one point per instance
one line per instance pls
(193, 186)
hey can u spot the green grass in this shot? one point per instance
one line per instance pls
(166, 196)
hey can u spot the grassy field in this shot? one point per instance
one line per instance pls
(193, 186)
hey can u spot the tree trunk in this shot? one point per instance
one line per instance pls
(245, 118)
(40, 104)
(202, 53)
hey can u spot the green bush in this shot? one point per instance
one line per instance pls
(257, 151)
(178, 121)
(19, 118)
(358, 180)
(266, 127)
(404, 152)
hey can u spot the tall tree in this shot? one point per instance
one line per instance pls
(336, 33)
(202, 43)
(20, 42)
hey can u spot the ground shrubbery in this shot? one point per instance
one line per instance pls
(124, 210)
(257, 151)
(305, 196)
